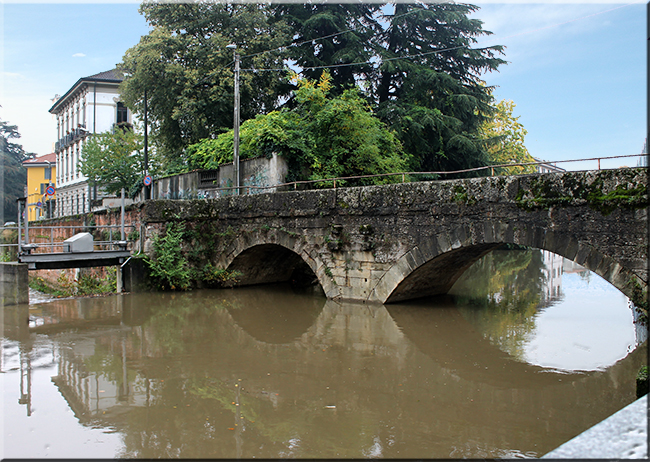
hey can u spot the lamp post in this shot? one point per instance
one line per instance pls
(235, 160)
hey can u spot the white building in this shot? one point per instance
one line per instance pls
(548, 167)
(552, 271)
(92, 105)
(643, 161)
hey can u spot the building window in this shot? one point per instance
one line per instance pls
(122, 113)
(48, 173)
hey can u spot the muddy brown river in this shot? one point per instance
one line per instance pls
(527, 352)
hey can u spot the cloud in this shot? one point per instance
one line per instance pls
(78, 55)
(11, 75)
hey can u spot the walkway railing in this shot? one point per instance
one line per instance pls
(48, 239)
(405, 177)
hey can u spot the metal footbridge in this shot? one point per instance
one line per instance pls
(39, 248)
(79, 252)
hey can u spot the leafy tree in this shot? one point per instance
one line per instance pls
(323, 137)
(186, 69)
(114, 160)
(435, 99)
(505, 135)
(416, 68)
(14, 175)
(347, 139)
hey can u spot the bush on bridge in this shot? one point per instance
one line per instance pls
(322, 137)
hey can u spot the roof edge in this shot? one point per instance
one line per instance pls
(90, 79)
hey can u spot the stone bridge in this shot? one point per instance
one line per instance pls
(396, 242)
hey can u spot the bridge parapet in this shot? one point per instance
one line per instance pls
(400, 241)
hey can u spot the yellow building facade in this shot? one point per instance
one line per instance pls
(41, 174)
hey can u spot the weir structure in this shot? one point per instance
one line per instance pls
(388, 243)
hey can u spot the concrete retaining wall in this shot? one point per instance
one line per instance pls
(14, 283)
(205, 184)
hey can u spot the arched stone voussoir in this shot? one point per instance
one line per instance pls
(436, 263)
(453, 243)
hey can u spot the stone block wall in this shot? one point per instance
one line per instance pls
(364, 242)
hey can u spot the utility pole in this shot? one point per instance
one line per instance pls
(235, 159)
(147, 189)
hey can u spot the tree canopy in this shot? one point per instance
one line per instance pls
(114, 160)
(416, 69)
(435, 99)
(505, 139)
(334, 36)
(14, 175)
(186, 69)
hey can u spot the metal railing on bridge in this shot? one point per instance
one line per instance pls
(406, 177)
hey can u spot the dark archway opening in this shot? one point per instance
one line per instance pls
(271, 263)
(437, 276)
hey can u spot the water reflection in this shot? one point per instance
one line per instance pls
(265, 372)
(545, 310)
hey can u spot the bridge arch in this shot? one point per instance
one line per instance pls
(274, 255)
(435, 264)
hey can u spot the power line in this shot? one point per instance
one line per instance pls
(284, 47)
(332, 66)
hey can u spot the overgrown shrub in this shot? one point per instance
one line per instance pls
(215, 277)
(168, 265)
(170, 268)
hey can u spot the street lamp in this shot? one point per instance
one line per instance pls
(235, 162)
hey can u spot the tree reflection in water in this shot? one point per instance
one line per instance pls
(502, 293)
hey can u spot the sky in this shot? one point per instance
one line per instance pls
(576, 71)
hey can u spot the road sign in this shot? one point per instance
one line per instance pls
(39, 204)
(50, 190)
(147, 180)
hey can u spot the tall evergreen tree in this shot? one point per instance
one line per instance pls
(333, 35)
(429, 89)
(14, 175)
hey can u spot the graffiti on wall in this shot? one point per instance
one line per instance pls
(260, 172)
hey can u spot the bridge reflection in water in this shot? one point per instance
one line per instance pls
(267, 372)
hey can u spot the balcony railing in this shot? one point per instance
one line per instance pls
(69, 138)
